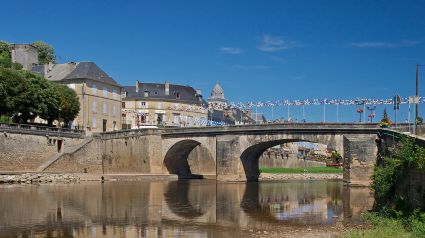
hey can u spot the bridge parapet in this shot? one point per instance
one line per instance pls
(368, 128)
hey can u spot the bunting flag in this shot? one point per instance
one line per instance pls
(317, 102)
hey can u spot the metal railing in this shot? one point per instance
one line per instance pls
(39, 129)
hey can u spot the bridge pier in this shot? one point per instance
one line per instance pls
(359, 159)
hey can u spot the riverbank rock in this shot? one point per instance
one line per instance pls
(29, 178)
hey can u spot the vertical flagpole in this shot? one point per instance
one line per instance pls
(364, 112)
(256, 113)
(303, 113)
(408, 116)
(324, 111)
(288, 112)
(337, 113)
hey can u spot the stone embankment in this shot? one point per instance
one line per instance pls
(304, 176)
(32, 178)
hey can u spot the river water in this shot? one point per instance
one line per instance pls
(196, 208)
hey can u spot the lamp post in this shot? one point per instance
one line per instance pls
(59, 119)
(371, 114)
(360, 111)
(417, 95)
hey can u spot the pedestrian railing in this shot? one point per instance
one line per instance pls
(37, 129)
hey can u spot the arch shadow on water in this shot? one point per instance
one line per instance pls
(297, 202)
(189, 200)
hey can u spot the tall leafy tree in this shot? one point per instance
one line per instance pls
(68, 102)
(46, 52)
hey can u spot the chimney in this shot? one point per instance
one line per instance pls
(137, 86)
(199, 94)
(167, 88)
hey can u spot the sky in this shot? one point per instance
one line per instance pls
(257, 50)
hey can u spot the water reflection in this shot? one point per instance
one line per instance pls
(174, 209)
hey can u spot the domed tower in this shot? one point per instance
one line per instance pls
(217, 96)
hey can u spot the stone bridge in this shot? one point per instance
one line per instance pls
(232, 153)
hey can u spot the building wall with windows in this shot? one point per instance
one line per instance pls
(153, 104)
(99, 94)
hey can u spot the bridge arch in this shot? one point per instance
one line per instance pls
(189, 158)
(256, 145)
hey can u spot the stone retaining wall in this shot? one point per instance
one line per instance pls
(412, 188)
(22, 152)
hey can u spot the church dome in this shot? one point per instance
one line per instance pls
(217, 92)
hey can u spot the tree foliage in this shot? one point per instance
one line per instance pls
(68, 102)
(25, 95)
(46, 52)
(6, 58)
(391, 172)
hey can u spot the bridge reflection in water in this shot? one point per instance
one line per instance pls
(173, 209)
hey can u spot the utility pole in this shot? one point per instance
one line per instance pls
(417, 92)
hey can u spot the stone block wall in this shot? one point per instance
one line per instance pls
(412, 187)
(141, 154)
(23, 152)
(87, 159)
(278, 161)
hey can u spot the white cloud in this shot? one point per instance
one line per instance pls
(231, 50)
(274, 43)
(380, 44)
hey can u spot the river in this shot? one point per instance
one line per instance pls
(195, 208)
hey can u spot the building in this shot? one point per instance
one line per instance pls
(98, 93)
(162, 104)
(24, 54)
(259, 118)
(221, 113)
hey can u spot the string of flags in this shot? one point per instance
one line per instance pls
(317, 102)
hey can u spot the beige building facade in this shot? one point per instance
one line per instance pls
(98, 93)
(162, 104)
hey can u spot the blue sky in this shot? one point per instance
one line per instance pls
(257, 50)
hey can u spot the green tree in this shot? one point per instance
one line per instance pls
(25, 95)
(68, 102)
(46, 53)
(6, 57)
(46, 97)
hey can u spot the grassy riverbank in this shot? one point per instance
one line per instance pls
(312, 170)
(389, 227)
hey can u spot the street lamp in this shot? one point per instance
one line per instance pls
(360, 111)
(371, 114)
(59, 119)
(417, 94)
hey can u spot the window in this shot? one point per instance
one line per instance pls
(105, 108)
(105, 91)
(146, 94)
(94, 89)
(143, 105)
(114, 110)
(177, 95)
(94, 106)
(93, 123)
(176, 119)
(114, 94)
(123, 104)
